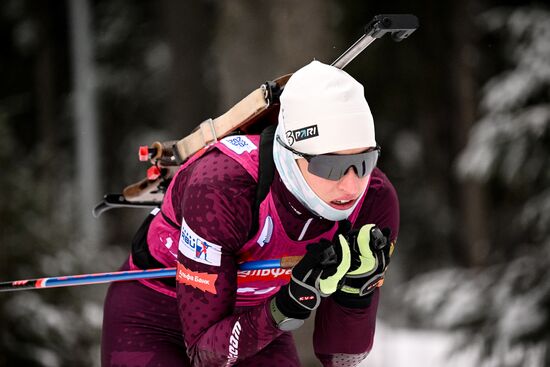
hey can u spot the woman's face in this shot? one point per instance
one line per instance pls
(341, 194)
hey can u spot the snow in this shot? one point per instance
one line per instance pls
(400, 347)
(537, 211)
(407, 148)
(509, 91)
(473, 317)
(45, 357)
(405, 347)
(508, 140)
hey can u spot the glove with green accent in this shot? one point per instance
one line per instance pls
(370, 253)
(332, 276)
(318, 274)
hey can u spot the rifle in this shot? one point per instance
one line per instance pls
(250, 115)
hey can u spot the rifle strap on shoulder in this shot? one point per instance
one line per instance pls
(209, 131)
(266, 173)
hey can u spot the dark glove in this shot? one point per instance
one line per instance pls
(318, 274)
(370, 256)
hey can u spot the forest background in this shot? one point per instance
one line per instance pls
(462, 112)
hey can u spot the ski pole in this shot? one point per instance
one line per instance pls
(117, 276)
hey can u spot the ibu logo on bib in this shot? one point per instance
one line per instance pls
(198, 249)
(239, 144)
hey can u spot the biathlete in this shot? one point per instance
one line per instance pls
(309, 187)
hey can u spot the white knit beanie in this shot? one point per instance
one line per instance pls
(323, 110)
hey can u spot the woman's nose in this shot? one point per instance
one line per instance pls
(350, 183)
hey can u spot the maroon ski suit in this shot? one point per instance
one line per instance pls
(213, 317)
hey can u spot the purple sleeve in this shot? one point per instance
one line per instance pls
(215, 198)
(344, 336)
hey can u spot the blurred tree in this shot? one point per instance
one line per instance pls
(39, 233)
(509, 145)
(503, 312)
(188, 28)
(37, 200)
(85, 119)
(472, 239)
(132, 60)
(260, 41)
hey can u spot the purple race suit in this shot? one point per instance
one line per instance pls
(217, 315)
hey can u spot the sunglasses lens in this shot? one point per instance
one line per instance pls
(334, 167)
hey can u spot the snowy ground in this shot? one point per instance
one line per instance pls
(411, 348)
(398, 347)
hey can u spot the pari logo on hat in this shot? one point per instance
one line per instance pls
(304, 133)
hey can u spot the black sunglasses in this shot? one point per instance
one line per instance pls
(334, 166)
